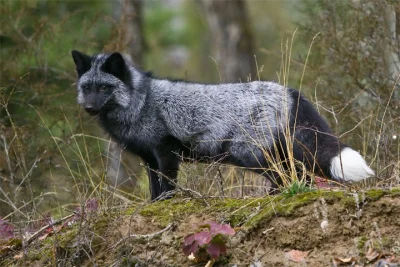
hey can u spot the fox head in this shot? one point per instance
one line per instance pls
(104, 81)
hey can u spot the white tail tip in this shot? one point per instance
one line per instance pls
(350, 166)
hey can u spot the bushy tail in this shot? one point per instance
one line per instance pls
(350, 166)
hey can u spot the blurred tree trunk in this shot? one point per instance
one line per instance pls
(129, 31)
(132, 19)
(234, 52)
(232, 37)
(123, 167)
(392, 57)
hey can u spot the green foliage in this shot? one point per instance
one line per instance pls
(354, 70)
(296, 188)
(160, 25)
(38, 110)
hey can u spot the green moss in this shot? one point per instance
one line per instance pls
(68, 237)
(41, 255)
(15, 242)
(286, 206)
(387, 242)
(224, 260)
(176, 209)
(332, 197)
(37, 255)
(7, 262)
(130, 261)
(248, 212)
(395, 191)
(375, 194)
(232, 204)
(101, 224)
(348, 201)
(361, 242)
(170, 210)
(281, 206)
(65, 240)
(235, 211)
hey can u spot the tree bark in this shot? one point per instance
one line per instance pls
(130, 41)
(232, 37)
(129, 37)
(233, 46)
(392, 57)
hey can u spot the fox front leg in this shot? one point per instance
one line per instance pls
(154, 180)
(162, 171)
(168, 164)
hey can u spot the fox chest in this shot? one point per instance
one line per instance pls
(136, 137)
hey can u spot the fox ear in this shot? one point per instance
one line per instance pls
(82, 62)
(115, 65)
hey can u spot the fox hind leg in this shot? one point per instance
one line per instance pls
(253, 158)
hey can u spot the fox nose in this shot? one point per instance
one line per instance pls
(89, 109)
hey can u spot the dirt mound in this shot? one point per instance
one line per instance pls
(312, 229)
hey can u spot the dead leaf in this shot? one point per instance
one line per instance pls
(43, 237)
(18, 256)
(5, 248)
(393, 259)
(344, 261)
(237, 229)
(372, 255)
(321, 182)
(296, 255)
(268, 230)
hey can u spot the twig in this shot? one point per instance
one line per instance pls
(44, 228)
(6, 150)
(221, 181)
(210, 263)
(343, 134)
(147, 236)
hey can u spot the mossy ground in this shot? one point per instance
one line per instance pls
(266, 228)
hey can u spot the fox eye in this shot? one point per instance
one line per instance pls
(103, 88)
(85, 87)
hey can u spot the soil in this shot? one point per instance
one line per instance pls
(311, 229)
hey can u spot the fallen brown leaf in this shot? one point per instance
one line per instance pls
(372, 255)
(7, 247)
(43, 237)
(321, 182)
(18, 256)
(344, 261)
(296, 255)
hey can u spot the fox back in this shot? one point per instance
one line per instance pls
(243, 124)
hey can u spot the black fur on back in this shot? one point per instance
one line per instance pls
(314, 144)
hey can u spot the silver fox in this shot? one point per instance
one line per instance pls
(242, 124)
